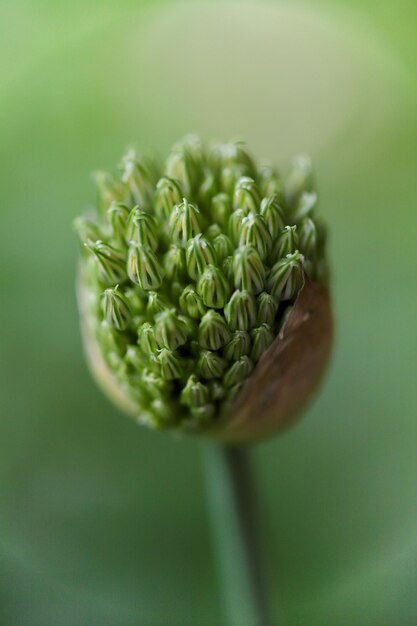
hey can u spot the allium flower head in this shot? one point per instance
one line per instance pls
(191, 274)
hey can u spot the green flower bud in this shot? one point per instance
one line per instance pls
(170, 362)
(180, 297)
(195, 393)
(168, 194)
(222, 247)
(162, 411)
(146, 338)
(157, 302)
(286, 277)
(190, 324)
(254, 231)
(213, 287)
(143, 267)
(118, 214)
(86, 230)
(238, 371)
(240, 312)
(304, 206)
(267, 309)
(270, 183)
(142, 229)
(181, 165)
(207, 187)
(139, 175)
(235, 225)
(299, 180)
(216, 389)
(116, 309)
(262, 337)
(111, 262)
(232, 392)
(249, 271)
(246, 195)
(213, 231)
(203, 413)
(238, 346)
(170, 330)
(308, 238)
(235, 155)
(109, 190)
(134, 358)
(213, 332)
(175, 267)
(110, 340)
(184, 222)
(210, 365)
(191, 303)
(135, 297)
(227, 267)
(286, 243)
(221, 209)
(155, 386)
(199, 254)
(273, 215)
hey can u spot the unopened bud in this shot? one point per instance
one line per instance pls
(195, 393)
(308, 238)
(191, 303)
(270, 182)
(262, 337)
(273, 215)
(111, 262)
(199, 254)
(170, 330)
(235, 225)
(170, 363)
(109, 190)
(213, 287)
(240, 311)
(286, 243)
(118, 214)
(238, 346)
(116, 308)
(146, 338)
(246, 195)
(267, 309)
(142, 229)
(300, 179)
(238, 371)
(168, 194)
(222, 247)
(143, 267)
(157, 302)
(140, 177)
(86, 230)
(221, 208)
(249, 271)
(254, 232)
(286, 277)
(210, 365)
(213, 332)
(184, 222)
(175, 267)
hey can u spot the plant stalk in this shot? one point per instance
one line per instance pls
(232, 501)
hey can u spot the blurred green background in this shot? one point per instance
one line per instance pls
(102, 522)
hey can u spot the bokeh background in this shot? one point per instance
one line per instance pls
(102, 522)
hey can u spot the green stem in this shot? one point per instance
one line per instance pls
(232, 505)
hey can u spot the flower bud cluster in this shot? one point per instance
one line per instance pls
(189, 270)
